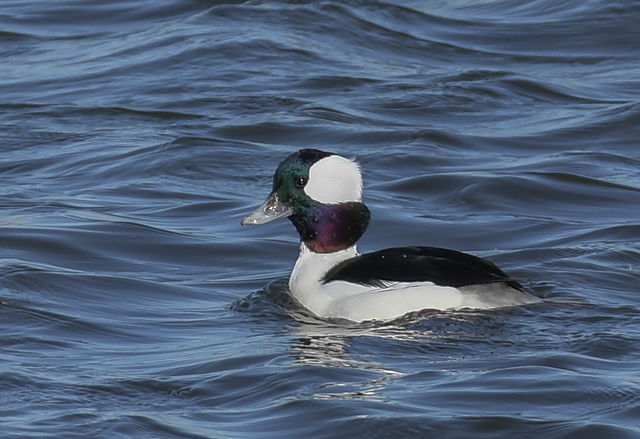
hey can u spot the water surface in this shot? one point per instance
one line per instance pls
(136, 135)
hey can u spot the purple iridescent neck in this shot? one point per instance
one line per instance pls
(327, 228)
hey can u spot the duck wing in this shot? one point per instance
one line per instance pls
(419, 264)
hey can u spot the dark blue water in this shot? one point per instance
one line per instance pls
(135, 135)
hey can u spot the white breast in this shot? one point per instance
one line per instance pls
(306, 284)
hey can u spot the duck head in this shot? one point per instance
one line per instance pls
(321, 193)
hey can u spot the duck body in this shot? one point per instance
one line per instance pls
(321, 193)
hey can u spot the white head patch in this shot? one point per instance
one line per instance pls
(334, 179)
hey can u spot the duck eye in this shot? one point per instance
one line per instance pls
(300, 182)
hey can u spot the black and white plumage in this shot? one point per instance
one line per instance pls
(418, 264)
(321, 193)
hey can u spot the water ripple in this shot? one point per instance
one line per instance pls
(136, 135)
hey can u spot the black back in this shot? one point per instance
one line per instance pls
(419, 264)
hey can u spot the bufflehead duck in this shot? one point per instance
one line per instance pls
(321, 193)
